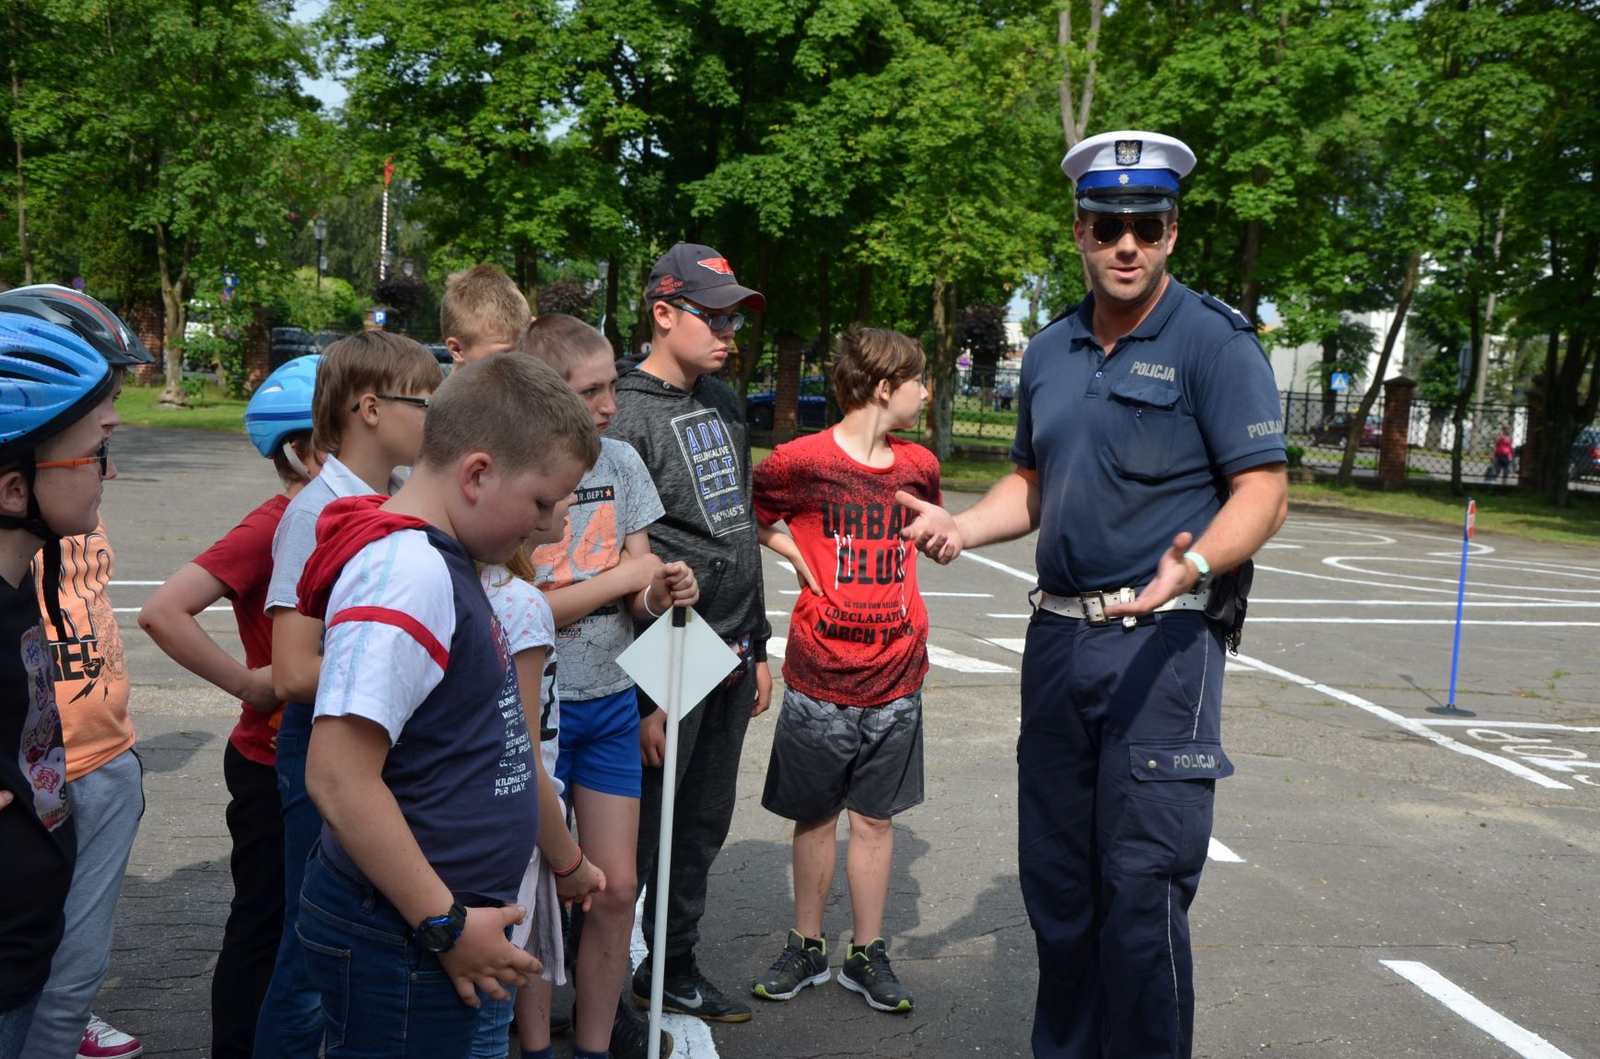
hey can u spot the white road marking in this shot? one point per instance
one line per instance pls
(691, 1038)
(1218, 852)
(1415, 727)
(1525, 1043)
(1390, 585)
(777, 614)
(1506, 602)
(787, 565)
(1415, 621)
(1002, 567)
(1285, 544)
(1506, 566)
(1235, 667)
(1473, 722)
(993, 615)
(1009, 643)
(947, 659)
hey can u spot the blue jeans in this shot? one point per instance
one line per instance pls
(290, 1025)
(14, 1027)
(383, 996)
(491, 1038)
(107, 804)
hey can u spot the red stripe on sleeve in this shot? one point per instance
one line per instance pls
(400, 620)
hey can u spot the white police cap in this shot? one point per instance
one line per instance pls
(1128, 171)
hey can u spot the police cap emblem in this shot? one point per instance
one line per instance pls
(1128, 151)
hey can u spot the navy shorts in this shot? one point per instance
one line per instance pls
(827, 757)
(600, 744)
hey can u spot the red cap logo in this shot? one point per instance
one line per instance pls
(667, 286)
(719, 265)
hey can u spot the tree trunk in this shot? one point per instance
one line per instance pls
(613, 288)
(1035, 297)
(527, 266)
(942, 370)
(863, 314)
(1566, 412)
(1249, 285)
(172, 322)
(1357, 427)
(24, 249)
(1488, 309)
(1075, 118)
(1459, 415)
(1330, 357)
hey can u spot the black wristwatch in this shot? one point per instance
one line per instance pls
(438, 934)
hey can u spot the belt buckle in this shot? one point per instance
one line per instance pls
(1094, 608)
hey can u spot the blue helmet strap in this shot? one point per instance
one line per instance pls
(35, 524)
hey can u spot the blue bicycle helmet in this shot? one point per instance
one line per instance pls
(281, 405)
(49, 379)
(86, 316)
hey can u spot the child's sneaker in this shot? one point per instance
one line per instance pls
(803, 962)
(688, 992)
(867, 971)
(101, 1040)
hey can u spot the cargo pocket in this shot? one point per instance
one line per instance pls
(1142, 430)
(1165, 821)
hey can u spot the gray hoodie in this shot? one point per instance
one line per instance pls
(697, 449)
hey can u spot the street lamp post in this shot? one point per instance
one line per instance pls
(320, 228)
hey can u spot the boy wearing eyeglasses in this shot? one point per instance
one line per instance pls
(372, 391)
(687, 426)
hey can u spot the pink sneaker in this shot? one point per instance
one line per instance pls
(101, 1040)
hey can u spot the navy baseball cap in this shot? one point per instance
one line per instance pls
(701, 275)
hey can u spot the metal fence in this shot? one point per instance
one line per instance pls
(1318, 423)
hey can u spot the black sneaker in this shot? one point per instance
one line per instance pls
(630, 1035)
(867, 971)
(689, 993)
(803, 962)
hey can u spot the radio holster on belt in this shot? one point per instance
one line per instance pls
(1230, 598)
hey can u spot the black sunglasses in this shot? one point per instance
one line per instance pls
(1108, 229)
(715, 321)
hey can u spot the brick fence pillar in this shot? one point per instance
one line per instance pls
(1395, 441)
(786, 396)
(148, 322)
(257, 352)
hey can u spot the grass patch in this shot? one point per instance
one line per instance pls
(140, 406)
(1499, 511)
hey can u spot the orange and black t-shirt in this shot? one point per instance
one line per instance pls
(89, 666)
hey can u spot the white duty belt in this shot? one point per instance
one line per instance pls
(1091, 606)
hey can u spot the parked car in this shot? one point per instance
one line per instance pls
(812, 413)
(1585, 462)
(287, 343)
(441, 353)
(1333, 430)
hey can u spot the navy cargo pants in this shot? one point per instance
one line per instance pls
(1117, 761)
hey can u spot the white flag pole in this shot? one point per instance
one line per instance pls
(669, 796)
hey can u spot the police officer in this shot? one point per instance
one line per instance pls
(1150, 456)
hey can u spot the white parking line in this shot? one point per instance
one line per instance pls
(1525, 1043)
(1002, 567)
(1517, 603)
(1013, 644)
(1543, 726)
(1218, 852)
(691, 1038)
(1415, 727)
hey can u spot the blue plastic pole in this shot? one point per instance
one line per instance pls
(1461, 595)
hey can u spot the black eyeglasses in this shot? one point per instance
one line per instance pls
(1108, 229)
(715, 321)
(102, 456)
(414, 402)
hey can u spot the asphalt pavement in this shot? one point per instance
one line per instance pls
(1386, 880)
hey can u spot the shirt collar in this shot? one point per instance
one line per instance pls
(341, 480)
(1150, 327)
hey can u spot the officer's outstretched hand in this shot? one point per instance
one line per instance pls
(933, 531)
(1174, 577)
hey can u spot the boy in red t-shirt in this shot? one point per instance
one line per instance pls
(850, 732)
(239, 567)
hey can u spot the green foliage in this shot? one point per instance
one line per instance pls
(296, 300)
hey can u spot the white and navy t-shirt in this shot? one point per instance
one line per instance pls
(413, 645)
(528, 623)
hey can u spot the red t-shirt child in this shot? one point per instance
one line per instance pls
(242, 560)
(864, 641)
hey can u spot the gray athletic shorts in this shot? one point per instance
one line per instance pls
(827, 757)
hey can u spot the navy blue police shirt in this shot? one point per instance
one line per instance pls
(1136, 446)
